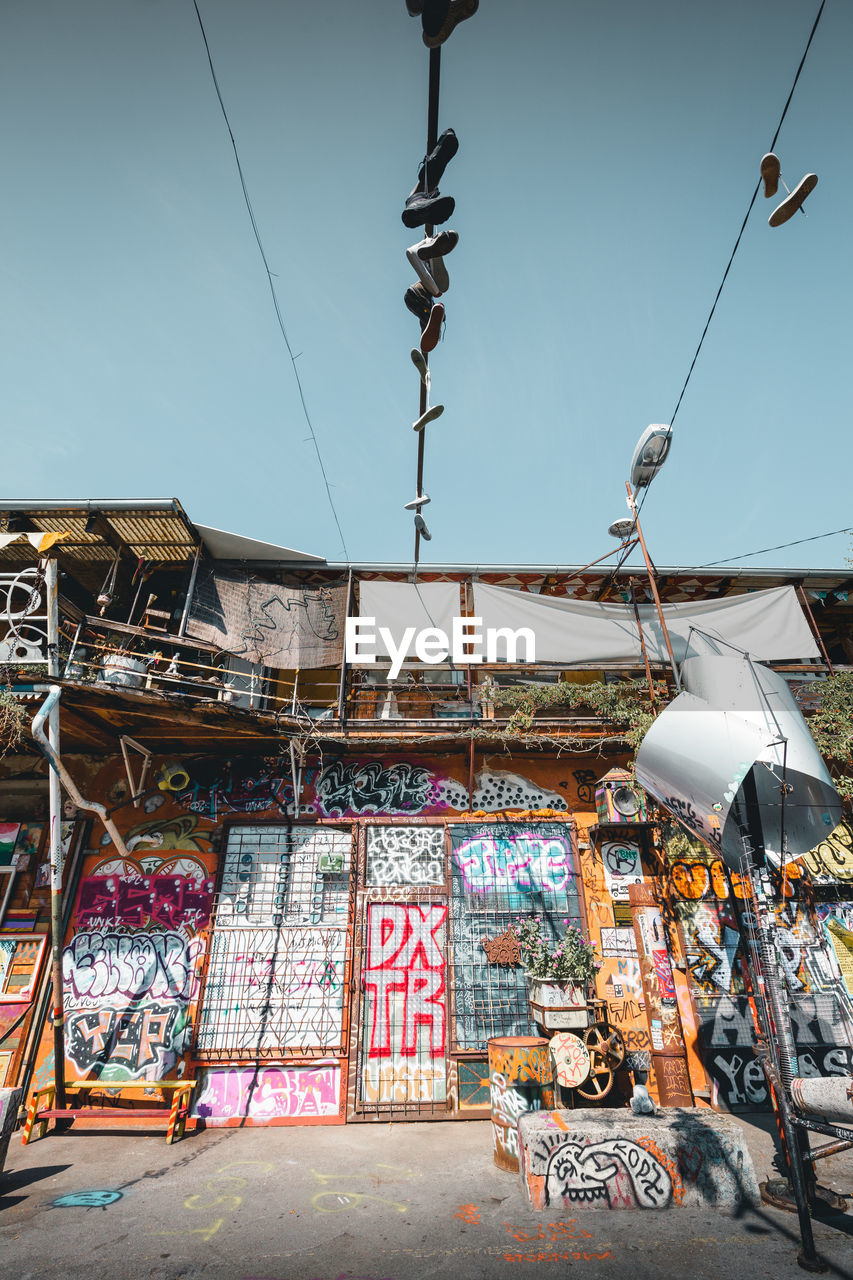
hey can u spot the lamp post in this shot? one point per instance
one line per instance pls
(649, 456)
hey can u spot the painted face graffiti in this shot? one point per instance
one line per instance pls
(603, 1174)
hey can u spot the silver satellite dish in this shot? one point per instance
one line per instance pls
(650, 454)
(621, 528)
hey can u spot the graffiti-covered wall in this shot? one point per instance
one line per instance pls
(812, 898)
(132, 962)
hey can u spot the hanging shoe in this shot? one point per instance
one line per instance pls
(424, 207)
(433, 16)
(794, 201)
(421, 365)
(439, 274)
(419, 303)
(770, 170)
(420, 525)
(420, 501)
(431, 331)
(458, 11)
(427, 276)
(431, 414)
(432, 168)
(438, 246)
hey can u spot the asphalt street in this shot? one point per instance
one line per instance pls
(360, 1202)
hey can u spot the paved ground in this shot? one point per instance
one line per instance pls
(376, 1201)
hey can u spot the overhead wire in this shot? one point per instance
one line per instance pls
(265, 261)
(737, 242)
(781, 546)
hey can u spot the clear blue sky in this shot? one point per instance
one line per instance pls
(607, 156)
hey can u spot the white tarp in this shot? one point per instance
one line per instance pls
(768, 625)
(400, 605)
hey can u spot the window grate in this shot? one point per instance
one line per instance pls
(276, 970)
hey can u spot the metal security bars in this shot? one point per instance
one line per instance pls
(277, 969)
(401, 1048)
(500, 871)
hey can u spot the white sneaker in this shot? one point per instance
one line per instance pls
(794, 201)
(416, 503)
(423, 270)
(431, 414)
(420, 525)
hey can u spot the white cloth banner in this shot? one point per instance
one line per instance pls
(400, 605)
(768, 625)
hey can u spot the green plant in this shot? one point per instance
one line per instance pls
(832, 727)
(624, 703)
(13, 722)
(570, 959)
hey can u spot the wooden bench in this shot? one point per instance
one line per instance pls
(42, 1109)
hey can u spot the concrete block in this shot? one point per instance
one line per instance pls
(612, 1159)
(10, 1102)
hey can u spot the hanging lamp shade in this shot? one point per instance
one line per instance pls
(721, 755)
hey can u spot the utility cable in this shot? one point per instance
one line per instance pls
(279, 316)
(737, 241)
(710, 564)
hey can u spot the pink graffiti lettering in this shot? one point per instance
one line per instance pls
(528, 862)
(169, 900)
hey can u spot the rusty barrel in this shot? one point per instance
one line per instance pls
(520, 1079)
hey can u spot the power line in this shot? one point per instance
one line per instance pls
(738, 240)
(780, 547)
(279, 316)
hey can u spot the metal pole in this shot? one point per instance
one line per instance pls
(190, 591)
(654, 586)
(642, 643)
(342, 688)
(55, 821)
(432, 139)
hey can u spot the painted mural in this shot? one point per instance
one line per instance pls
(269, 1094)
(131, 963)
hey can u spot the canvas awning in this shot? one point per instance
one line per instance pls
(768, 625)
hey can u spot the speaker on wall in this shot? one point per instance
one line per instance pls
(618, 799)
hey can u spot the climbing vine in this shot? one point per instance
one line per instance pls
(624, 704)
(13, 722)
(832, 728)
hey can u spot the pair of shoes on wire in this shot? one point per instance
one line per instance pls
(440, 17)
(771, 170)
(426, 205)
(427, 258)
(431, 315)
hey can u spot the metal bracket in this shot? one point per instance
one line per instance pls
(136, 788)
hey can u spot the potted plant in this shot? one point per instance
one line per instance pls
(559, 973)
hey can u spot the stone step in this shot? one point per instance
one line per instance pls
(612, 1159)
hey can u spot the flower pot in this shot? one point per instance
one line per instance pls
(558, 1006)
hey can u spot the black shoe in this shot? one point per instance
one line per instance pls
(438, 246)
(419, 303)
(433, 16)
(433, 167)
(424, 207)
(458, 11)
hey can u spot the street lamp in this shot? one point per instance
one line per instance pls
(649, 456)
